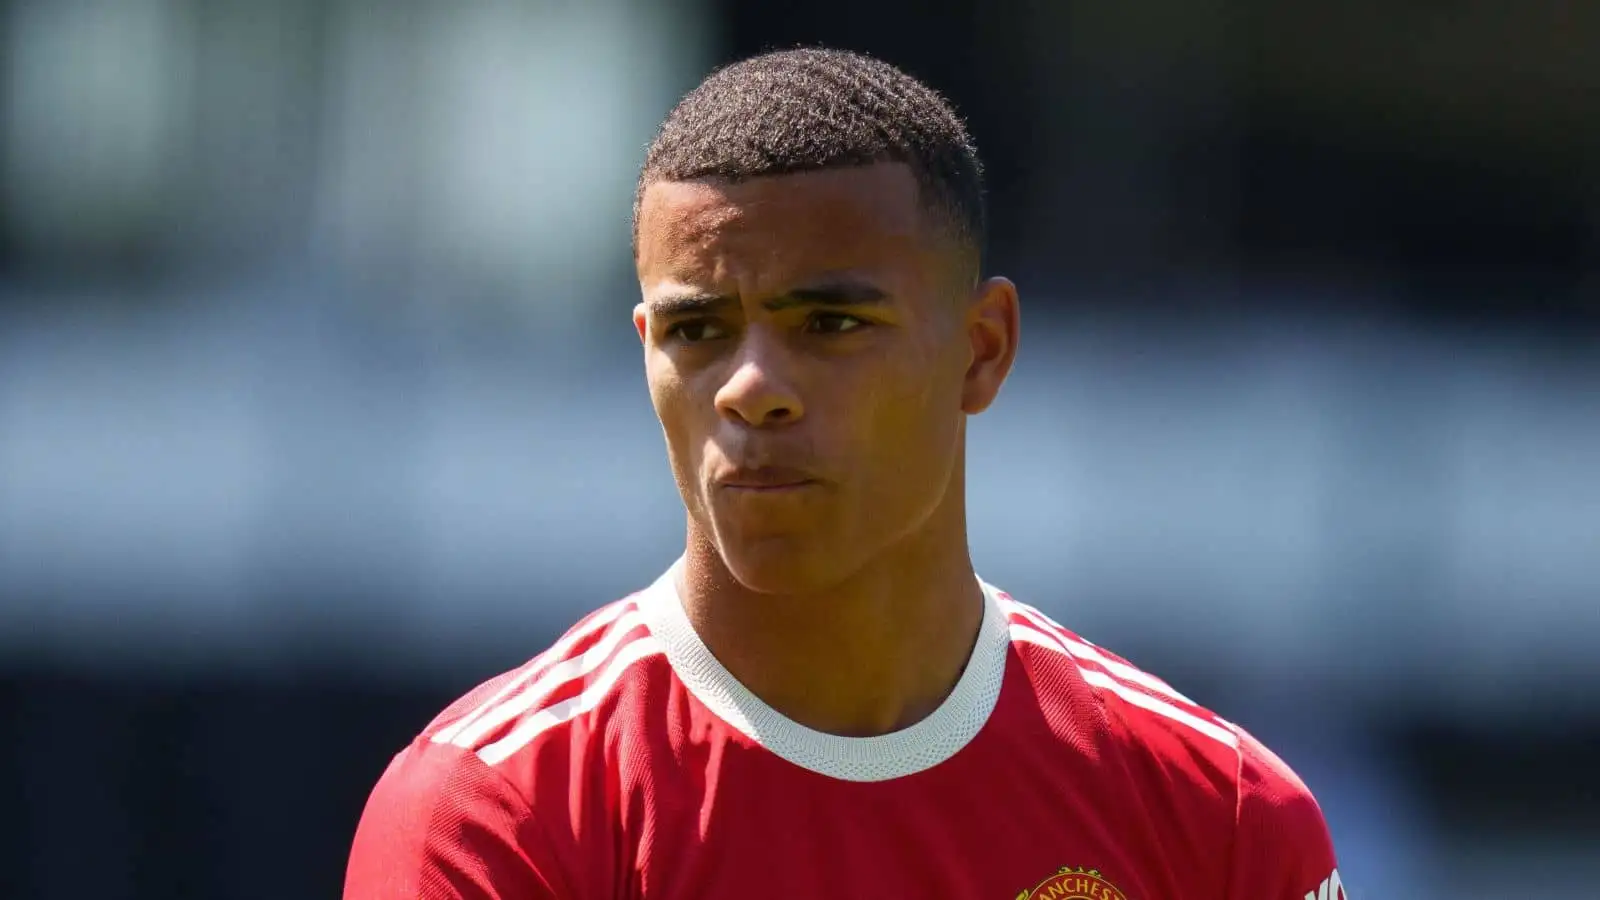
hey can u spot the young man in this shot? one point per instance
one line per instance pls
(821, 699)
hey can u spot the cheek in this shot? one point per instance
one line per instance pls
(909, 416)
(676, 408)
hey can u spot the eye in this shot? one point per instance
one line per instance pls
(696, 331)
(834, 323)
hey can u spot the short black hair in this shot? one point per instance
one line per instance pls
(806, 109)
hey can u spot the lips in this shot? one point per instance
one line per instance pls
(766, 478)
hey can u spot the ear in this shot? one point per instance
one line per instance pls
(993, 322)
(640, 321)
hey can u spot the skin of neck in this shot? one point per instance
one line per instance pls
(869, 655)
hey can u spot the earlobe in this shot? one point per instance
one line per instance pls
(993, 327)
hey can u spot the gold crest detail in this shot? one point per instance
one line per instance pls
(1074, 883)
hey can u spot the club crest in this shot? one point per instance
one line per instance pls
(1074, 883)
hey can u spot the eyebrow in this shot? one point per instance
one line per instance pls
(837, 293)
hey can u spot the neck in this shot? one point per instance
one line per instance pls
(870, 655)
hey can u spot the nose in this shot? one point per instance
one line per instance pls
(760, 389)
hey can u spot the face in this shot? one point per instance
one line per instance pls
(812, 355)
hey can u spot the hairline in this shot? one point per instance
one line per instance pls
(941, 221)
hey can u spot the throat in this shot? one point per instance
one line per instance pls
(862, 660)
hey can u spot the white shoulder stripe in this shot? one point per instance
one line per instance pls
(562, 672)
(539, 663)
(1086, 651)
(572, 707)
(1137, 698)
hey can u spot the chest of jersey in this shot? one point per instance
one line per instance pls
(1004, 819)
(893, 843)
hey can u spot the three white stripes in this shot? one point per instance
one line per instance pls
(1044, 632)
(621, 623)
(1088, 652)
(1138, 698)
(572, 707)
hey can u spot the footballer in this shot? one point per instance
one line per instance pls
(820, 698)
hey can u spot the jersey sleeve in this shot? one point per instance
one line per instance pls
(443, 825)
(1282, 849)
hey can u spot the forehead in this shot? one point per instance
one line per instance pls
(784, 226)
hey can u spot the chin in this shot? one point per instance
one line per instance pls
(785, 566)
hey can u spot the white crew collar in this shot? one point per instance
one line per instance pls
(920, 746)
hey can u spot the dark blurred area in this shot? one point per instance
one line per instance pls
(319, 403)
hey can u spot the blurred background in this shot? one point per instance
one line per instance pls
(319, 402)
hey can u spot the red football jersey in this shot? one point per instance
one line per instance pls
(626, 762)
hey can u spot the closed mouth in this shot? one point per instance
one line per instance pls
(768, 488)
(771, 479)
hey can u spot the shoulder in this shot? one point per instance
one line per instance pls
(1182, 756)
(1281, 844)
(591, 664)
(1140, 707)
(499, 791)
(484, 805)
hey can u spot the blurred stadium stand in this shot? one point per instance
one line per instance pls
(318, 402)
